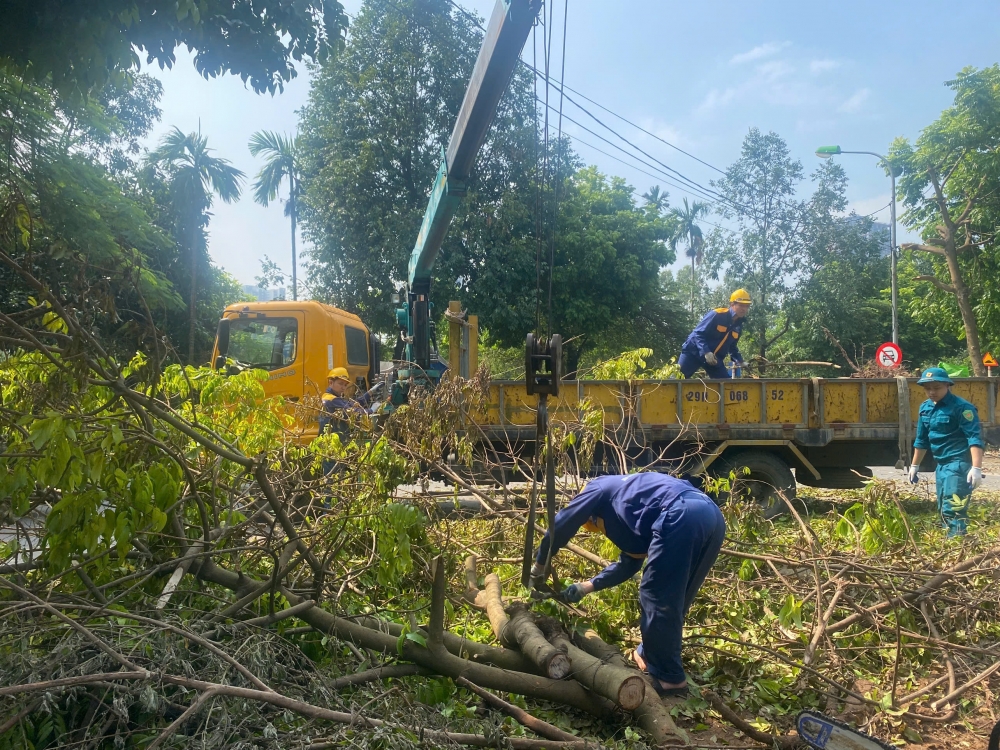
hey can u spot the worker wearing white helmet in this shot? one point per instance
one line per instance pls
(715, 337)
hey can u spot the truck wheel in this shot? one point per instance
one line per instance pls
(769, 475)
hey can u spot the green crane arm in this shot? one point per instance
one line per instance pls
(505, 37)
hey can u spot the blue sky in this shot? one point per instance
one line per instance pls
(698, 75)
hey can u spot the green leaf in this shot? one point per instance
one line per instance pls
(417, 638)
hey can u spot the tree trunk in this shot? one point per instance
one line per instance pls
(693, 285)
(519, 630)
(965, 307)
(624, 687)
(193, 298)
(652, 715)
(291, 210)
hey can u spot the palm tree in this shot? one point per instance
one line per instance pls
(656, 199)
(690, 233)
(196, 177)
(281, 162)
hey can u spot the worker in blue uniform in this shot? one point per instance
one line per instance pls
(337, 408)
(949, 427)
(337, 405)
(678, 531)
(715, 338)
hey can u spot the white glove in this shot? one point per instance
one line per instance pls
(711, 359)
(975, 477)
(914, 474)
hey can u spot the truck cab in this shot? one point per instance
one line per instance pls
(297, 343)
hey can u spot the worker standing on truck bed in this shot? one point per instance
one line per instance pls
(949, 427)
(715, 337)
(677, 529)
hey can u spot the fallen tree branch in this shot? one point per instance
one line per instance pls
(383, 672)
(931, 586)
(624, 687)
(296, 706)
(517, 630)
(652, 715)
(771, 740)
(522, 717)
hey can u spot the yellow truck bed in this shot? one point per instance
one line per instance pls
(819, 426)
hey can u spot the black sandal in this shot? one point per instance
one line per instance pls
(674, 692)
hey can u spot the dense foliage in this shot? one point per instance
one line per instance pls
(83, 47)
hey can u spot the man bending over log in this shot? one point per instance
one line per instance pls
(677, 529)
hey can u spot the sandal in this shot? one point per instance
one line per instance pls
(674, 692)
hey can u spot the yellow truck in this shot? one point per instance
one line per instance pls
(816, 431)
(297, 343)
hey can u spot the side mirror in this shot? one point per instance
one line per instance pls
(396, 299)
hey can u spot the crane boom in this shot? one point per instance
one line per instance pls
(502, 43)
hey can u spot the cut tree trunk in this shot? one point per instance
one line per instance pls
(624, 687)
(653, 717)
(518, 629)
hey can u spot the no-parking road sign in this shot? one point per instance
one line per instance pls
(889, 355)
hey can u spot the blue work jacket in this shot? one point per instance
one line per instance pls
(718, 332)
(628, 510)
(948, 428)
(336, 407)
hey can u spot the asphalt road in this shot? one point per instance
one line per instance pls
(991, 474)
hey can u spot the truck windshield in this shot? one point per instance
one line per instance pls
(268, 344)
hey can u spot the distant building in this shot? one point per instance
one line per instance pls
(264, 295)
(878, 229)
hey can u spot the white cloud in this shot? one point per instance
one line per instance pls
(877, 207)
(759, 52)
(854, 102)
(774, 69)
(662, 130)
(821, 66)
(715, 98)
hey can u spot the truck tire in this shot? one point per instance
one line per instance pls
(769, 475)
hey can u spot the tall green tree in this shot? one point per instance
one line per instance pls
(68, 227)
(82, 46)
(688, 232)
(767, 250)
(951, 188)
(195, 178)
(608, 255)
(281, 163)
(656, 200)
(370, 141)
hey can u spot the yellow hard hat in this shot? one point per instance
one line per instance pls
(742, 296)
(339, 372)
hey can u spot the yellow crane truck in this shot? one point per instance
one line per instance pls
(816, 431)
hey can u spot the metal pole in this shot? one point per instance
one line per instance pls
(892, 255)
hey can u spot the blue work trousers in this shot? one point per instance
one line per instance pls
(686, 541)
(953, 494)
(689, 364)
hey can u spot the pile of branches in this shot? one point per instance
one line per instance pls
(176, 567)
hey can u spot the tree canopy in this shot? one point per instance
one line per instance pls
(82, 46)
(951, 187)
(371, 141)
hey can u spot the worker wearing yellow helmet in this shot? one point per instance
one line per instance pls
(716, 337)
(336, 403)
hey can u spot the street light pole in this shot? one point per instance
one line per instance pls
(825, 152)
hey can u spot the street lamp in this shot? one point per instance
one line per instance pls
(825, 152)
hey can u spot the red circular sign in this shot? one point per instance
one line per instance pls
(889, 355)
